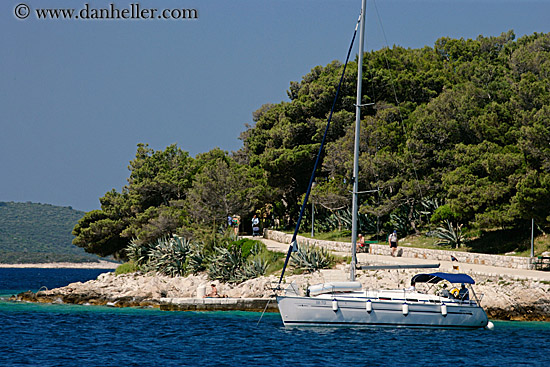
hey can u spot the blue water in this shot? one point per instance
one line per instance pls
(16, 280)
(69, 335)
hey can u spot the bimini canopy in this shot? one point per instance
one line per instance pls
(437, 277)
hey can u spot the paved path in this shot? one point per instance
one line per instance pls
(445, 266)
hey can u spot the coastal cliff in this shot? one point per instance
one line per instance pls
(503, 299)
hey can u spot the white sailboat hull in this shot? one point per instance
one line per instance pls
(354, 311)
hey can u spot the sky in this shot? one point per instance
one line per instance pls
(78, 95)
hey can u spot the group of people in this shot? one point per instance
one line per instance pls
(235, 221)
(361, 246)
(462, 294)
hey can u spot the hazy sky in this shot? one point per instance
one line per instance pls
(77, 96)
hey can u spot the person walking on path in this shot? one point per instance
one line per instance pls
(392, 240)
(236, 223)
(255, 226)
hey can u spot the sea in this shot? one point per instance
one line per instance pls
(76, 335)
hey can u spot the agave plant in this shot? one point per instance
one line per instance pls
(399, 219)
(450, 236)
(169, 256)
(224, 264)
(138, 253)
(196, 258)
(311, 258)
(253, 269)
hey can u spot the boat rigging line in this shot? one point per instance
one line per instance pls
(293, 245)
(398, 103)
(265, 308)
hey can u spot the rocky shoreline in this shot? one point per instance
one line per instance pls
(503, 299)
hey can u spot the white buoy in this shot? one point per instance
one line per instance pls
(444, 309)
(368, 306)
(405, 308)
(334, 305)
(490, 325)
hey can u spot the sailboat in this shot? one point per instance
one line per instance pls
(347, 303)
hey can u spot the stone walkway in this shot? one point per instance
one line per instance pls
(445, 266)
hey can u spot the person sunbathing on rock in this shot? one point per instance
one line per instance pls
(213, 292)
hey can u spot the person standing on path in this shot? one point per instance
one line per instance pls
(392, 240)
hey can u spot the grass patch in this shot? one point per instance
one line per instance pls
(422, 242)
(276, 263)
(339, 236)
(129, 267)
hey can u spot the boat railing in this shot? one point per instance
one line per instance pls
(292, 290)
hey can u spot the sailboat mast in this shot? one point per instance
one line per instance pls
(355, 204)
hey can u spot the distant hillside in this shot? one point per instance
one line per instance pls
(39, 233)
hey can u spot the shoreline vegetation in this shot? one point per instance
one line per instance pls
(503, 297)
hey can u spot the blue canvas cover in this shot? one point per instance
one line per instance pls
(437, 277)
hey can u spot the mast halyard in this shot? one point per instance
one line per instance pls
(355, 204)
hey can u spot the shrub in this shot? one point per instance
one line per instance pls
(311, 258)
(246, 245)
(223, 259)
(138, 253)
(449, 236)
(238, 261)
(224, 264)
(169, 256)
(196, 258)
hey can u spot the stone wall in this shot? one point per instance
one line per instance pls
(513, 262)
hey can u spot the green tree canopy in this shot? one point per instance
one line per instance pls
(464, 124)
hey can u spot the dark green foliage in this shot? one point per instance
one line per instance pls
(39, 233)
(168, 256)
(170, 193)
(224, 260)
(338, 220)
(468, 126)
(225, 263)
(149, 207)
(501, 242)
(247, 246)
(464, 124)
(450, 236)
(222, 187)
(100, 234)
(238, 261)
